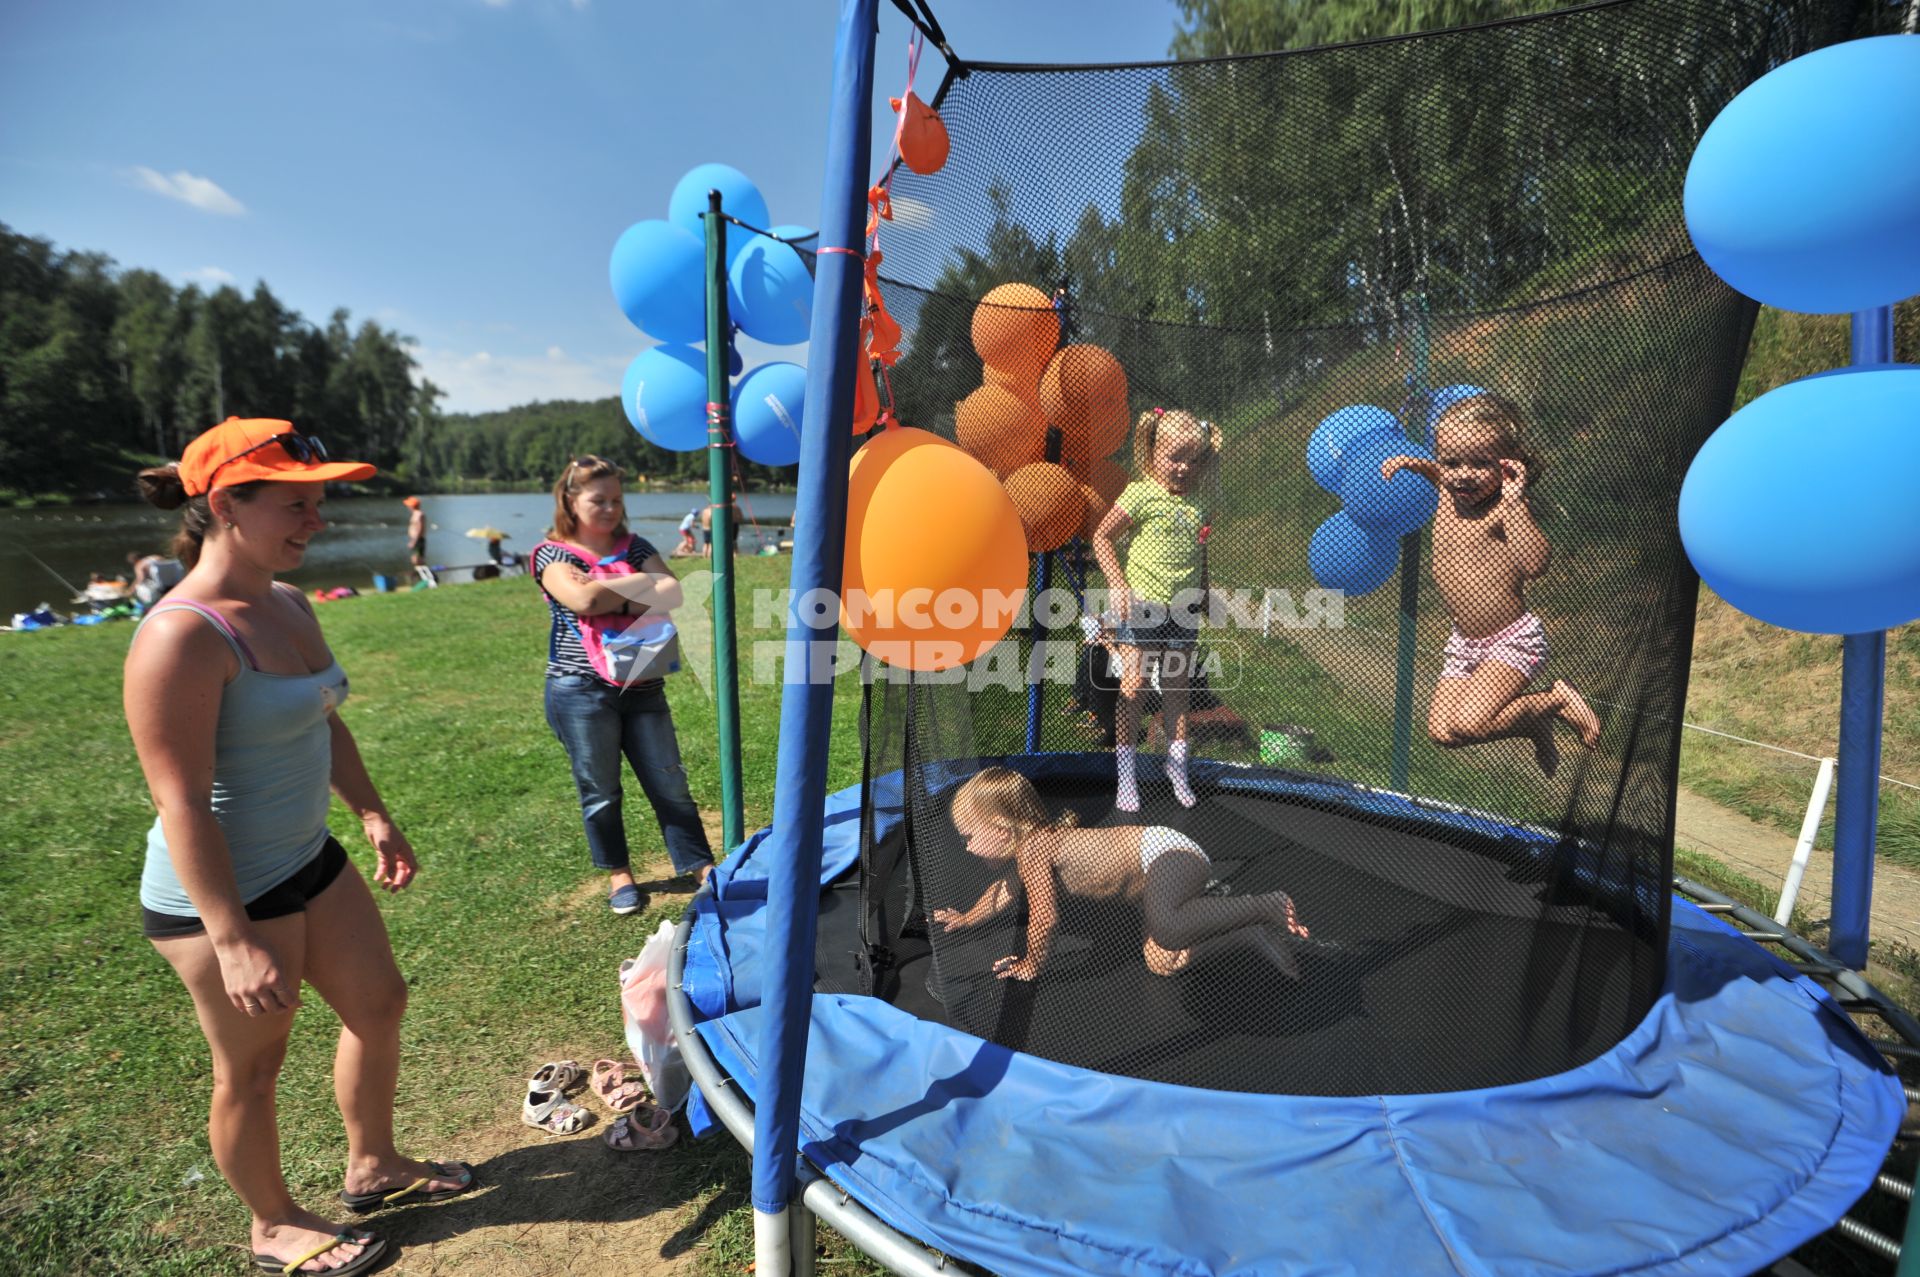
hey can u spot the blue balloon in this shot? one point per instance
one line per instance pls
(656, 272)
(735, 364)
(1345, 556)
(1804, 192)
(739, 197)
(1389, 509)
(665, 395)
(770, 292)
(766, 413)
(1802, 511)
(1339, 432)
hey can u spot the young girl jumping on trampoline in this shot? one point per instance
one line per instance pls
(1486, 546)
(1164, 579)
(1001, 816)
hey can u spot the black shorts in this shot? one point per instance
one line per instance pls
(289, 895)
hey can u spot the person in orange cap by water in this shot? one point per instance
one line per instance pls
(233, 700)
(416, 531)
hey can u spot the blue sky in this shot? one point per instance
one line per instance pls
(455, 169)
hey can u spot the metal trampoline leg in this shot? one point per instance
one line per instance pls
(771, 1233)
(801, 1228)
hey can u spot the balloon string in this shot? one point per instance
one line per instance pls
(900, 123)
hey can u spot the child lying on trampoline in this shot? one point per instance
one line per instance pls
(1486, 547)
(1001, 816)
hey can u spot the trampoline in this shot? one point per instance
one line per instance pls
(1502, 1045)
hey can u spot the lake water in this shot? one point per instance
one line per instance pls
(365, 535)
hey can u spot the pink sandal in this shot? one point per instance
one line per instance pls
(611, 1085)
(648, 1128)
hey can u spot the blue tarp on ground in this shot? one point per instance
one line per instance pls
(1743, 1116)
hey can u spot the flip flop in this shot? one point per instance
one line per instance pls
(646, 1129)
(372, 1251)
(611, 1085)
(380, 1198)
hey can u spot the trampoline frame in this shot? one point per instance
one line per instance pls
(818, 1197)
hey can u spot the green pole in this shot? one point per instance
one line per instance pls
(726, 683)
(1416, 429)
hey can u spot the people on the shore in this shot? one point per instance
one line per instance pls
(594, 567)
(153, 576)
(416, 532)
(233, 699)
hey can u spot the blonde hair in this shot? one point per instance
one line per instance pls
(1499, 415)
(1156, 423)
(1005, 798)
(579, 473)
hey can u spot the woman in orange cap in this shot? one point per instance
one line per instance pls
(232, 697)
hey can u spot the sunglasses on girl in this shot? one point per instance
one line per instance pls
(304, 449)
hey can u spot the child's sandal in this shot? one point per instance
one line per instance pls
(554, 1075)
(648, 1128)
(611, 1085)
(551, 1111)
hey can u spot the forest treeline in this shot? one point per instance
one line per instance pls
(104, 370)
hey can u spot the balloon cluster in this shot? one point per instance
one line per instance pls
(1357, 549)
(1800, 510)
(658, 273)
(1030, 382)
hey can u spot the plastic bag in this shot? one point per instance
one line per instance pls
(643, 1011)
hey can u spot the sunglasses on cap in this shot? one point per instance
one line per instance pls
(304, 449)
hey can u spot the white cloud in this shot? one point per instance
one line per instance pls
(202, 193)
(910, 213)
(211, 276)
(481, 381)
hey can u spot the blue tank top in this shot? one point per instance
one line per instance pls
(272, 764)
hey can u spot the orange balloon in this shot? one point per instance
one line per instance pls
(1015, 328)
(936, 562)
(1000, 427)
(1021, 382)
(1051, 503)
(1105, 476)
(923, 136)
(1084, 392)
(1101, 483)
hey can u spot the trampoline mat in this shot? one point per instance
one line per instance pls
(1433, 965)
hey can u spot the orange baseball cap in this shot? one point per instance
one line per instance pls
(243, 450)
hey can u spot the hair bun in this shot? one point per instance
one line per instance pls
(161, 486)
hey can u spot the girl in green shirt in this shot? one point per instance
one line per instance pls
(1159, 595)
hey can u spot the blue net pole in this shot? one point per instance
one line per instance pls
(820, 523)
(1863, 677)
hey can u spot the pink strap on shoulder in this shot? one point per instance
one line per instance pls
(580, 551)
(219, 622)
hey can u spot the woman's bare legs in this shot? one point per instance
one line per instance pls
(353, 969)
(241, 1123)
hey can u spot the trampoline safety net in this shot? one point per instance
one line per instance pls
(1430, 725)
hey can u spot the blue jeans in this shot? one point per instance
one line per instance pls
(597, 723)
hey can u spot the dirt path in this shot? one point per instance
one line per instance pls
(1763, 854)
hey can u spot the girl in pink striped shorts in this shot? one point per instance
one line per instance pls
(1486, 547)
